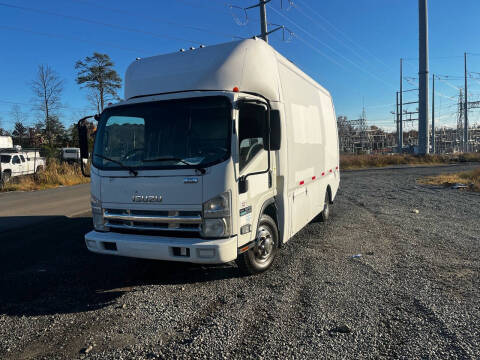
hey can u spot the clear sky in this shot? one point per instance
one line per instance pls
(351, 47)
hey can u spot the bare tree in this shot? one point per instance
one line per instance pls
(2, 130)
(17, 115)
(47, 88)
(93, 98)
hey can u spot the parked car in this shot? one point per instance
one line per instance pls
(14, 162)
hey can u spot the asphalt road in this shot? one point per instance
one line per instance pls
(414, 292)
(23, 209)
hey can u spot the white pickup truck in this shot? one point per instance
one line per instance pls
(14, 162)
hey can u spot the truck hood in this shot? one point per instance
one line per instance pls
(154, 190)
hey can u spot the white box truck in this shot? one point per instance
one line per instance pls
(71, 155)
(6, 142)
(217, 154)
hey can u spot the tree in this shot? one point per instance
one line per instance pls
(17, 114)
(55, 130)
(96, 73)
(19, 118)
(47, 88)
(19, 131)
(2, 130)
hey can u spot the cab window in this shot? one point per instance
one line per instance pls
(252, 128)
(16, 160)
(22, 158)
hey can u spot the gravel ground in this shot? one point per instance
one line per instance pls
(413, 293)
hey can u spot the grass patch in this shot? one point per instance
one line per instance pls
(372, 161)
(470, 178)
(56, 174)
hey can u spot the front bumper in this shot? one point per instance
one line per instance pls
(163, 248)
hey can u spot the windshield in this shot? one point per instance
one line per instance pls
(5, 159)
(165, 134)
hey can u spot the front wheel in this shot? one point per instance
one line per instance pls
(325, 214)
(260, 257)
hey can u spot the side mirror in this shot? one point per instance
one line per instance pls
(83, 141)
(83, 138)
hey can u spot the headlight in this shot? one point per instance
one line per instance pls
(215, 228)
(217, 207)
(216, 216)
(97, 214)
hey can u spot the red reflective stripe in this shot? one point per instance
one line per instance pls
(323, 174)
(331, 170)
(336, 168)
(302, 182)
(314, 177)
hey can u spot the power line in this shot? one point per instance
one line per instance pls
(319, 52)
(7, 102)
(57, 36)
(325, 30)
(89, 21)
(329, 47)
(313, 11)
(153, 19)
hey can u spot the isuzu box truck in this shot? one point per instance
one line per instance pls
(216, 154)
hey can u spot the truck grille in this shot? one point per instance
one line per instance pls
(152, 220)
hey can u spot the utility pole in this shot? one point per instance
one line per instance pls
(397, 117)
(423, 147)
(433, 114)
(263, 19)
(400, 127)
(465, 109)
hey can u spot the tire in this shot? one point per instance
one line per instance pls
(260, 257)
(5, 177)
(39, 168)
(325, 214)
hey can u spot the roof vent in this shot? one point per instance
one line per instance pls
(182, 50)
(137, 58)
(192, 47)
(202, 46)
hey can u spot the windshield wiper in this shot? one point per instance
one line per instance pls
(130, 170)
(199, 168)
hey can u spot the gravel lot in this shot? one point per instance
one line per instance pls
(414, 292)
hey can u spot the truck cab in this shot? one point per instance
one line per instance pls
(193, 166)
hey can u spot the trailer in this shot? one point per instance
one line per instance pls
(217, 154)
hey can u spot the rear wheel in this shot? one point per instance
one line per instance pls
(325, 214)
(260, 257)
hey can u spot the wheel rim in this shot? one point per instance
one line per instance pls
(263, 250)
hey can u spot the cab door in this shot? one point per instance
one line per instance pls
(253, 166)
(17, 168)
(24, 165)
